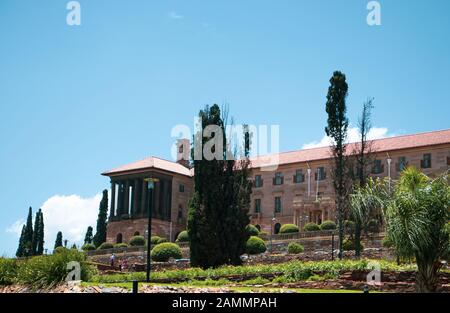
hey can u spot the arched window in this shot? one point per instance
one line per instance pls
(136, 233)
(277, 228)
(119, 238)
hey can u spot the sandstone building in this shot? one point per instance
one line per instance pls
(298, 191)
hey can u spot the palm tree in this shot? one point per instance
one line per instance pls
(416, 217)
(366, 203)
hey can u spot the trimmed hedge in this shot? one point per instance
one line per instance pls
(288, 229)
(349, 244)
(183, 236)
(311, 227)
(328, 225)
(255, 245)
(121, 245)
(137, 241)
(252, 230)
(88, 247)
(295, 248)
(164, 251)
(105, 245)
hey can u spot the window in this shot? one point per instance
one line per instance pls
(299, 177)
(402, 164)
(277, 204)
(277, 228)
(448, 160)
(320, 173)
(278, 179)
(426, 162)
(258, 181)
(181, 188)
(119, 238)
(180, 212)
(378, 167)
(257, 205)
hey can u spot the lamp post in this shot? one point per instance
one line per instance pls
(150, 186)
(271, 233)
(389, 160)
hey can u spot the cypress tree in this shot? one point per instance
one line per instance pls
(40, 245)
(28, 236)
(100, 234)
(218, 210)
(20, 250)
(88, 237)
(35, 240)
(59, 240)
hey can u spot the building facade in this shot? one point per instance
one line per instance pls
(291, 187)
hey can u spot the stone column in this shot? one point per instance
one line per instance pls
(135, 197)
(144, 198)
(119, 209)
(113, 200)
(127, 198)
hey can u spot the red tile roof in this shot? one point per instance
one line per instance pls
(305, 155)
(378, 145)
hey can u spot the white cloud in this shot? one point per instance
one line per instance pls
(175, 15)
(352, 136)
(69, 214)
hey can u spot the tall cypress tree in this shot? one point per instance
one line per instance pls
(28, 236)
(35, 240)
(59, 240)
(40, 234)
(336, 129)
(100, 234)
(88, 237)
(218, 213)
(21, 249)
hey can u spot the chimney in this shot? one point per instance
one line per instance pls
(183, 152)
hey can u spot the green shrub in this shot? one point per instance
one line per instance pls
(349, 244)
(288, 229)
(59, 249)
(328, 225)
(252, 230)
(8, 271)
(105, 245)
(349, 226)
(88, 247)
(154, 240)
(263, 234)
(387, 242)
(48, 270)
(255, 245)
(161, 240)
(295, 248)
(311, 227)
(183, 236)
(373, 226)
(137, 241)
(164, 251)
(121, 245)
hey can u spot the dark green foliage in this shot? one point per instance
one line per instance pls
(164, 251)
(28, 236)
(183, 236)
(288, 229)
(328, 225)
(154, 240)
(59, 249)
(100, 234)
(59, 240)
(386, 242)
(105, 245)
(349, 227)
(37, 246)
(8, 271)
(74, 246)
(295, 248)
(349, 244)
(121, 245)
(88, 238)
(218, 210)
(21, 249)
(255, 245)
(373, 226)
(336, 129)
(252, 230)
(49, 270)
(311, 227)
(88, 247)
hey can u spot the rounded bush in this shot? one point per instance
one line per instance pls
(255, 245)
(121, 245)
(263, 234)
(137, 241)
(288, 229)
(164, 251)
(328, 225)
(183, 236)
(105, 245)
(60, 249)
(295, 248)
(311, 227)
(349, 244)
(88, 247)
(154, 240)
(252, 230)
(349, 226)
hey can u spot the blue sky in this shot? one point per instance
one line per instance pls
(76, 100)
